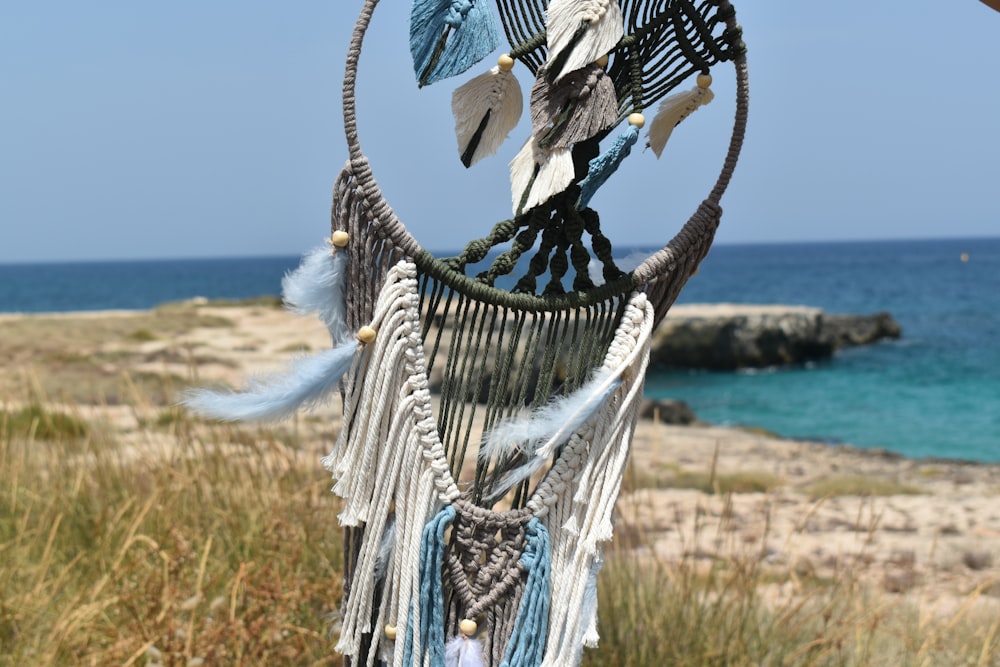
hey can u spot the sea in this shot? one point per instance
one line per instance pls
(935, 392)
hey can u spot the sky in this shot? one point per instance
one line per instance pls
(134, 130)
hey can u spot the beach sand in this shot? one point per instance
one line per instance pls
(933, 538)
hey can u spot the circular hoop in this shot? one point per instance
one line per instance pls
(675, 261)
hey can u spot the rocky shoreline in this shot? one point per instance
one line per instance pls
(726, 337)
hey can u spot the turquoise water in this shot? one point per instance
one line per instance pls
(935, 392)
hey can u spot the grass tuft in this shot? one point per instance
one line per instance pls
(35, 421)
(142, 335)
(859, 485)
(674, 477)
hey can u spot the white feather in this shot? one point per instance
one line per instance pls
(551, 425)
(540, 433)
(496, 92)
(554, 174)
(672, 110)
(463, 652)
(317, 286)
(564, 18)
(306, 383)
(385, 548)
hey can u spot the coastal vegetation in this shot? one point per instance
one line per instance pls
(132, 533)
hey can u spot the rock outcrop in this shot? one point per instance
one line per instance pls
(848, 330)
(734, 336)
(667, 411)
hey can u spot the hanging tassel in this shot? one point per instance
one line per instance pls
(307, 383)
(318, 285)
(531, 627)
(486, 109)
(601, 167)
(539, 434)
(589, 609)
(448, 37)
(537, 174)
(579, 32)
(432, 550)
(574, 109)
(674, 109)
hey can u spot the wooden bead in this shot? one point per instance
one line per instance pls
(602, 61)
(636, 119)
(390, 632)
(505, 63)
(366, 335)
(704, 80)
(340, 239)
(468, 627)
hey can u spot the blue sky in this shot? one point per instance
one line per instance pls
(202, 129)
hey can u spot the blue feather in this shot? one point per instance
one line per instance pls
(447, 37)
(545, 429)
(307, 383)
(602, 166)
(317, 286)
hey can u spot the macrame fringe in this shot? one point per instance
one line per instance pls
(674, 109)
(391, 470)
(579, 32)
(447, 37)
(388, 464)
(589, 608)
(486, 109)
(579, 505)
(537, 174)
(318, 286)
(602, 166)
(574, 109)
(307, 383)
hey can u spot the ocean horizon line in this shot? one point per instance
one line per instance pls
(451, 252)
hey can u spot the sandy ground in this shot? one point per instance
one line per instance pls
(934, 545)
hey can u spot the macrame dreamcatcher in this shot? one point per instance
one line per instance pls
(488, 412)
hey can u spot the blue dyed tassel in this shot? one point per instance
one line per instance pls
(432, 548)
(602, 166)
(531, 627)
(447, 37)
(307, 383)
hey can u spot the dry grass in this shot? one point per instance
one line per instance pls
(85, 358)
(227, 553)
(739, 612)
